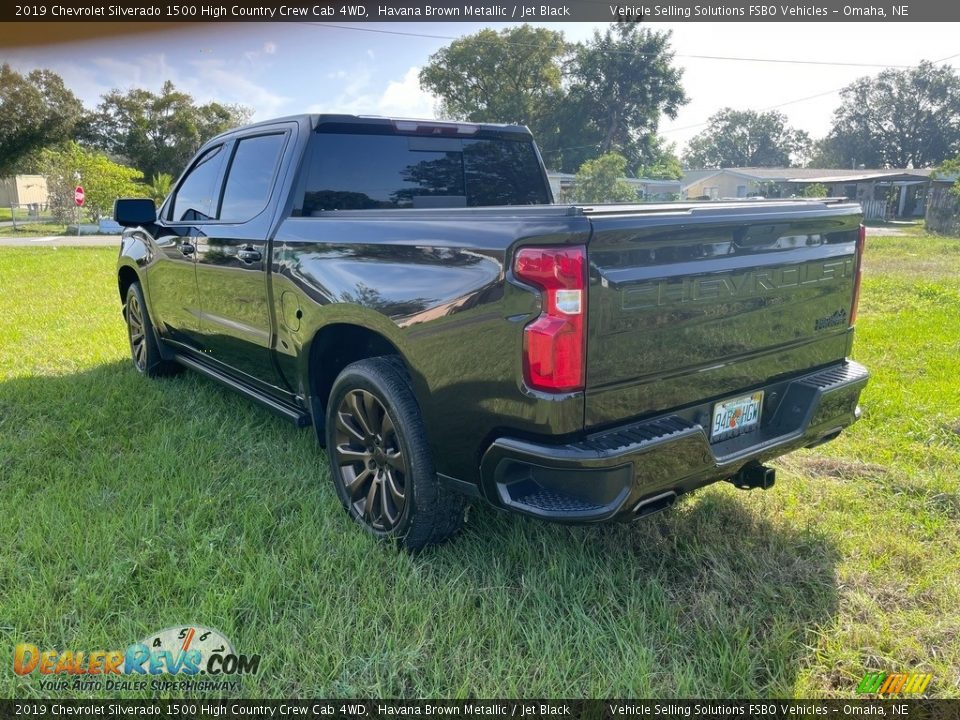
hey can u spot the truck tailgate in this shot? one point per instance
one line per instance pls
(698, 302)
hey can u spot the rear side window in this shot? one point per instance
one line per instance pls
(196, 198)
(363, 172)
(250, 177)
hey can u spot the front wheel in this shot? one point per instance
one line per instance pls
(143, 341)
(380, 461)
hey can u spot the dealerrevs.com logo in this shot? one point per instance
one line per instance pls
(184, 652)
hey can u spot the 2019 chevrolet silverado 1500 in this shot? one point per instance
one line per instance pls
(409, 290)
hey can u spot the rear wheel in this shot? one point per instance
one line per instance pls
(380, 461)
(143, 342)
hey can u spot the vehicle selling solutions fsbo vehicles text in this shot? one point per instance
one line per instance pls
(687, 12)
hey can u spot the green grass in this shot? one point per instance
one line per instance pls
(134, 505)
(33, 229)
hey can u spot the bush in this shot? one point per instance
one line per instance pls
(601, 180)
(816, 190)
(102, 179)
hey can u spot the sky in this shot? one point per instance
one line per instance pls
(284, 68)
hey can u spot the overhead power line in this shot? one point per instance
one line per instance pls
(791, 102)
(786, 61)
(694, 126)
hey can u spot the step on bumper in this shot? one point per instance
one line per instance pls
(631, 470)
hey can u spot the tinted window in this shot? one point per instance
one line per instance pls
(250, 177)
(502, 172)
(360, 172)
(196, 196)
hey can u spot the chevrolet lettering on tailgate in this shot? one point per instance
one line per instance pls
(734, 286)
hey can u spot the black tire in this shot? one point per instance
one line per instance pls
(143, 341)
(380, 461)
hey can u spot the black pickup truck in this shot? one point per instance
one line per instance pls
(409, 289)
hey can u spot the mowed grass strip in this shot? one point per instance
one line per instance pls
(133, 505)
(33, 229)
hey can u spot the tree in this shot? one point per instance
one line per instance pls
(159, 187)
(815, 190)
(601, 180)
(746, 138)
(900, 118)
(103, 180)
(36, 110)
(510, 76)
(823, 154)
(950, 169)
(159, 133)
(580, 101)
(620, 83)
(663, 164)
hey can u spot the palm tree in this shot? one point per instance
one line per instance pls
(159, 187)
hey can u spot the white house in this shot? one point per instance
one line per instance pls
(23, 190)
(647, 188)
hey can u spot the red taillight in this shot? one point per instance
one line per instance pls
(554, 343)
(858, 273)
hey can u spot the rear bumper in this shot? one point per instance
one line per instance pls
(630, 470)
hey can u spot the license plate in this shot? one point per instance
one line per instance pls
(736, 416)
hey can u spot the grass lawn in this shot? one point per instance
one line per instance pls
(136, 505)
(43, 229)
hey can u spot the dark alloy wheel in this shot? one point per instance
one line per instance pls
(138, 338)
(380, 459)
(144, 348)
(371, 460)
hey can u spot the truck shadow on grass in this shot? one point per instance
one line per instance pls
(715, 597)
(228, 516)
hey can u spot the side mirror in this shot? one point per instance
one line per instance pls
(131, 212)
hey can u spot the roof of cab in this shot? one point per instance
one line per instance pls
(342, 122)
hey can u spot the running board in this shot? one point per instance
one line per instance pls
(298, 416)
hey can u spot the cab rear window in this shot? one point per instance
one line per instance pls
(365, 172)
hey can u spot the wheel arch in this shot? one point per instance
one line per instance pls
(332, 348)
(126, 276)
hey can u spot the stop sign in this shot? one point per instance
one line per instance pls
(79, 196)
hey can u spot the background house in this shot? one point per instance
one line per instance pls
(884, 193)
(725, 183)
(23, 190)
(647, 188)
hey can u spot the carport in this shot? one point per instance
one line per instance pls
(873, 189)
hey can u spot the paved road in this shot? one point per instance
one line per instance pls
(62, 241)
(887, 231)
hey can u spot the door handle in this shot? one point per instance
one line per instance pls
(187, 248)
(249, 254)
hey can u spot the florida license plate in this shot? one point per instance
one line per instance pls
(736, 416)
